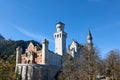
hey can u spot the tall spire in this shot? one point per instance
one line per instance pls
(89, 37)
(89, 40)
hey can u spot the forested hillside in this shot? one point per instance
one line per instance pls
(7, 56)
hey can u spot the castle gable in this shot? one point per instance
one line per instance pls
(75, 49)
(30, 47)
(74, 45)
(33, 55)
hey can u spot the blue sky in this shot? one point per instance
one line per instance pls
(36, 20)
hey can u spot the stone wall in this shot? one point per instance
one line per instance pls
(36, 71)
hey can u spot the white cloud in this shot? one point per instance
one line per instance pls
(32, 35)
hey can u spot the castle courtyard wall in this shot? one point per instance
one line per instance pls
(36, 71)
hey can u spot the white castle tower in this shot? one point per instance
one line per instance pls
(60, 39)
(18, 55)
(44, 51)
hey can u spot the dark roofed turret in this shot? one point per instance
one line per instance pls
(60, 26)
(89, 40)
(89, 37)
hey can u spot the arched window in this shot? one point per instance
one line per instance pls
(60, 35)
(28, 61)
(57, 36)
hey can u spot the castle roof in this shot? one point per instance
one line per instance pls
(61, 23)
(89, 35)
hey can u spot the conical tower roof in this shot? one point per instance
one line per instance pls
(89, 37)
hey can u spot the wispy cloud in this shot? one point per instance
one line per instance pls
(32, 35)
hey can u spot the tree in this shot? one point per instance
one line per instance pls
(88, 63)
(82, 68)
(68, 69)
(113, 64)
(7, 69)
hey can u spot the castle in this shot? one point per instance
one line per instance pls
(42, 64)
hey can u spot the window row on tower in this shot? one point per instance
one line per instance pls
(58, 35)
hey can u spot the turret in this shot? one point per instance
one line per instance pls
(60, 26)
(44, 51)
(18, 55)
(89, 40)
(60, 39)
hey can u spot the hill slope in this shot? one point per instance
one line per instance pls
(1, 37)
(8, 47)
